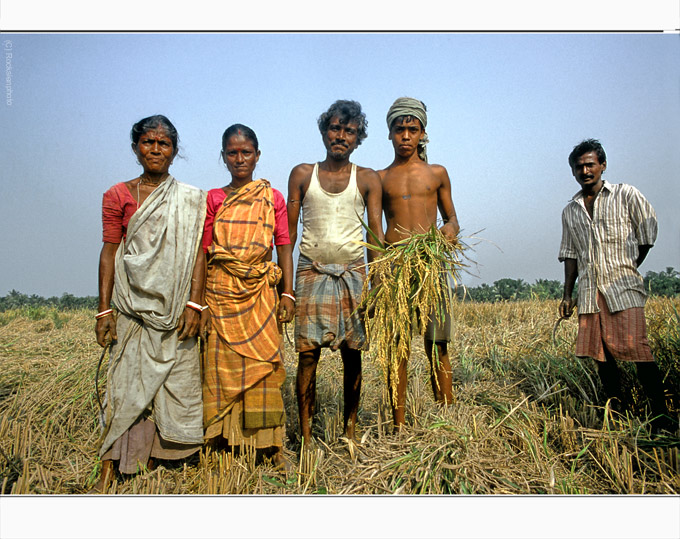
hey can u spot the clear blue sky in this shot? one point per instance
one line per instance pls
(504, 112)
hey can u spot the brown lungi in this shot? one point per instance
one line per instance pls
(624, 333)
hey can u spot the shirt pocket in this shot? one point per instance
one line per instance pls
(614, 230)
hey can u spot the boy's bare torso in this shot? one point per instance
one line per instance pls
(410, 198)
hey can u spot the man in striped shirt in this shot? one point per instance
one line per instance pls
(607, 231)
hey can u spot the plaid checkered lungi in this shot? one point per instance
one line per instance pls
(327, 298)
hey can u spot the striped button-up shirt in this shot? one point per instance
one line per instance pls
(606, 246)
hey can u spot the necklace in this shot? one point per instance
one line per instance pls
(145, 182)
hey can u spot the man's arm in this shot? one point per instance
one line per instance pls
(297, 187)
(643, 219)
(446, 207)
(570, 273)
(370, 188)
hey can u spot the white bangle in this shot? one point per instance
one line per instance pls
(195, 306)
(288, 296)
(103, 314)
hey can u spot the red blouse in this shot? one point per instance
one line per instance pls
(118, 206)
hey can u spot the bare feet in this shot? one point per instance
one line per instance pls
(281, 461)
(309, 444)
(349, 434)
(105, 478)
(353, 448)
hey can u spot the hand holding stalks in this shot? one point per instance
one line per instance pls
(105, 330)
(566, 307)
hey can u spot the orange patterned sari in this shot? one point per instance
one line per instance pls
(243, 363)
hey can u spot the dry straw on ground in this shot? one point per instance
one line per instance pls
(528, 418)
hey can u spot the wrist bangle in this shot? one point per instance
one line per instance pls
(288, 296)
(195, 306)
(103, 314)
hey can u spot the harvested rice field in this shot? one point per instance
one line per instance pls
(528, 417)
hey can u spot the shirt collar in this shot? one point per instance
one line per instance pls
(579, 195)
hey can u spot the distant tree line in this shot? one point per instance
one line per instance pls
(665, 283)
(511, 290)
(67, 302)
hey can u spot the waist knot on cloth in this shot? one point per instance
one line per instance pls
(336, 270)
(265, 272)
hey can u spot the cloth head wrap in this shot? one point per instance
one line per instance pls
(408, 106)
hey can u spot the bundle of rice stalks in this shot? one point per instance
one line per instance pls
(412, 277)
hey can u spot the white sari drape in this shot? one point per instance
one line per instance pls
(149, 368)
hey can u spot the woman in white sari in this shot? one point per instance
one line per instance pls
(152, 269)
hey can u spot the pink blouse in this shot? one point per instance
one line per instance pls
(216, 198)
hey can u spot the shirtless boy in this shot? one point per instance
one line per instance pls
(412, 191)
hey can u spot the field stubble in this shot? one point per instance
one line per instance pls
(528, 417)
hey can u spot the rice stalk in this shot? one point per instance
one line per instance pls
(412, 286)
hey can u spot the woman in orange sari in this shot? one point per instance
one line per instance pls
(243, 363)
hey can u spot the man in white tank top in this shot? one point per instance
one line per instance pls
(332, 196)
